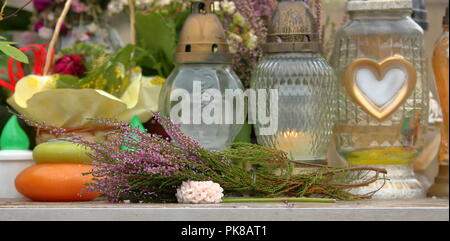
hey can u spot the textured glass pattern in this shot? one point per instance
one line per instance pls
(210, 76)
(378, 37)
(306, 89)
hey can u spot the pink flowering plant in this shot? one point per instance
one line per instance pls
(47, 12)
(246, 23)
(140, 167)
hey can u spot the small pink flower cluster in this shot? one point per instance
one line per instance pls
(206, 192)
(47, 12)
(246, 43)
(77, 5)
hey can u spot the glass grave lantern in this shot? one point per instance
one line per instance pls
(194, 94)
(383, 100)
(292, 64)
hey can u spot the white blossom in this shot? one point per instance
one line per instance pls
(239, 19)
(217, 6)
(162, 3)
(117, 6)
(228, 6)
(50, 16)
(144, 3)
(252, 42)
(235, 37)
(199, 192)
(233, 41)
(92, 27)
(45, 33)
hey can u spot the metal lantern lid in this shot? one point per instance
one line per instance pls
(367, 5)
(292, 29)
(202, 39)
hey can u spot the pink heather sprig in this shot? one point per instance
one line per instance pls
(257, 13)
(44, 17)
(137, 166)
(117, 170)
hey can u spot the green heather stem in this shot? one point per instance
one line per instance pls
(280, 199)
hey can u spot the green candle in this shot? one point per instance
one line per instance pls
(13, 137)
(136, 123)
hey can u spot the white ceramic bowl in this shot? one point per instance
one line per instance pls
(11, 164)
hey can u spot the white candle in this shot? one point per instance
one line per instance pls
(296, 144)
(12, 162)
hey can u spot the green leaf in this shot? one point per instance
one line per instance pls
(158, 37)
(151, 65)
(67, 82)
(95, 54)
(13, 52)
(113, 76)
(179, 21)
(155, 34)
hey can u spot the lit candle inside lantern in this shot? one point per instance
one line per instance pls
(292, 64)
(298, 145)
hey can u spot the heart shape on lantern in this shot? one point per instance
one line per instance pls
(380, 88)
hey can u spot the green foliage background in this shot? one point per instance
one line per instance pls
(157, 35)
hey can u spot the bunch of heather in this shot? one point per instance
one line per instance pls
(246, 23)
(140, 167)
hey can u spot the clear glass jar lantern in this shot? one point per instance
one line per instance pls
(305, 83)
(383, 100)
(194, 93)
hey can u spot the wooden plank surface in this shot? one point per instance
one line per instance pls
(399, 210)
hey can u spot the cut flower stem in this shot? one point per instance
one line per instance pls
(278, 199)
